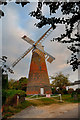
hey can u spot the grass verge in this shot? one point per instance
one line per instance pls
(11, 110)
(69, 99)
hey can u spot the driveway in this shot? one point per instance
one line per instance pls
(50, 111)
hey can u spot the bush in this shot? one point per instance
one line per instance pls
(70, 90)
(59, 91)
(78, 90)
(11, 93)
(64, 91)
(10, 96)
(20, 84)
(54, 91)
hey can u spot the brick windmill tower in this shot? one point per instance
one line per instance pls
(38, 80)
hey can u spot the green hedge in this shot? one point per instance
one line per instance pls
(11, 93)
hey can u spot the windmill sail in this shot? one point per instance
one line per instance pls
(49, 58)
(37, 47)
(32, 42)
(22, 56)
(43, 36)
(28, 39)
(39, 52)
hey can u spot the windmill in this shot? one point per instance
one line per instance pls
(38, 80)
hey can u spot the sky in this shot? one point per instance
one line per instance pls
(16, 23)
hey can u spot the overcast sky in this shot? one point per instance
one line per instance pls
(17, 23)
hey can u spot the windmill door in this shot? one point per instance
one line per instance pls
(41, 91)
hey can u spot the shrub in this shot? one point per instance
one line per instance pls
(59, 91)
(54, 91)
(78, 90)
(73, 93)
(11, 96)
(64, 91)
(70, 90)
(15, 92)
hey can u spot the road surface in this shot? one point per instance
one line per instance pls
(70, 110)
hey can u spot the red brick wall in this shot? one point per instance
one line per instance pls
(38, 75)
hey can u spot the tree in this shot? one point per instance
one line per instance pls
(70, 9)
(60, 81)
(10, 84)
(21, 84)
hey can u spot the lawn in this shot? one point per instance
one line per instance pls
(43, 101)
(69, 98)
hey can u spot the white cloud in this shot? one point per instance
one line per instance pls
(14, 46)
(0, 38)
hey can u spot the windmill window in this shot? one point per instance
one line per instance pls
(40, 67)
(39, 59)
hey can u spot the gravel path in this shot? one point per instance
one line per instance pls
(51, 111)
